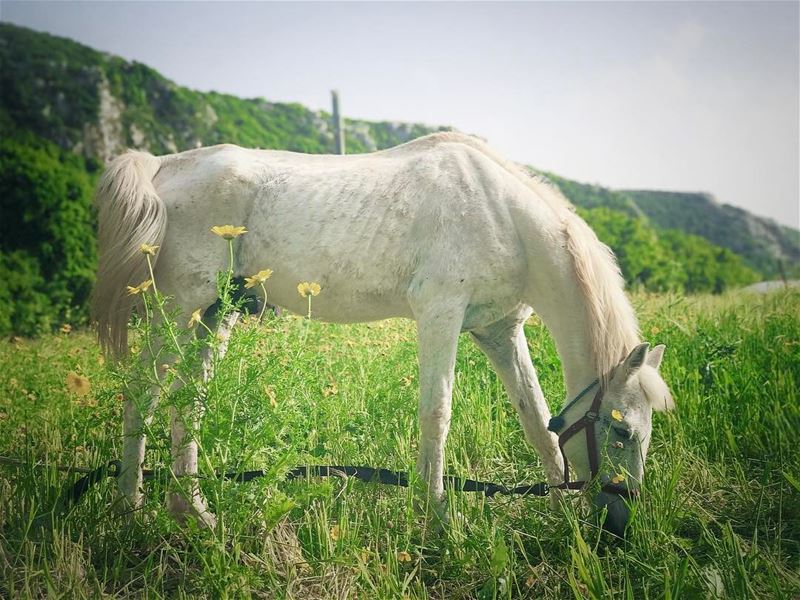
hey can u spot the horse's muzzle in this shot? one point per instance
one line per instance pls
(617, 511)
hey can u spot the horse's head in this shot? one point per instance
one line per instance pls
(606, 434)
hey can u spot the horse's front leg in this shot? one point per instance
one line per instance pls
(185, 499)
(505, 345)
(438, 328)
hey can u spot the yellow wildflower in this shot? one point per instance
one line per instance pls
(270, 392)
(335, 532)
(258, 278)
(194, 319)
(403, 556)
(142, 287)
(66, 328)
(618, 478)
(305, 288)
(228, 232)
(616, 415)
(148, 249)
(365, 555)
(78, 384)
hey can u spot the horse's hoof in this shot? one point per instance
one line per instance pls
(131, 508)
(556, 498)
(184, 509)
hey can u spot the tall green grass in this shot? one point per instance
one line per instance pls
(720, 513)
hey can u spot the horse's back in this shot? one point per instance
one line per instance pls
(364, 226)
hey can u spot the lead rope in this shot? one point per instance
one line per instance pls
(73, 493)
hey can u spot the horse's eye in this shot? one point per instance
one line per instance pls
(622, 432)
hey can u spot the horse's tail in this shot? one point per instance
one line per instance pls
(130, 214)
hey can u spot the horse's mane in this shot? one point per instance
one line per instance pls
(613, 328)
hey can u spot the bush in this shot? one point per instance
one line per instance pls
(47, 247)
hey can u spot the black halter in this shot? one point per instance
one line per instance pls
(585, 423)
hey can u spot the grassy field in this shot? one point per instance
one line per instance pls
(719, 517)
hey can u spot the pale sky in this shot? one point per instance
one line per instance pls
(689, 96)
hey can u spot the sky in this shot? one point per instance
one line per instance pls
(683, 96)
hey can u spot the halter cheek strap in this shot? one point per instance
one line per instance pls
(585, 423)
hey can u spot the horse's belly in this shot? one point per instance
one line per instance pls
(338, 301)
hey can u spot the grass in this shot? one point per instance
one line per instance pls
(720, 514)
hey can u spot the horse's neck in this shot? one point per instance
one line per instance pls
(563, 311)
(574, 348)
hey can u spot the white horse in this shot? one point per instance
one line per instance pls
(440, 230)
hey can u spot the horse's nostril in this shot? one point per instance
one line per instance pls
(617, 513)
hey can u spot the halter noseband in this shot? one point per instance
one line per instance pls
(585, 423)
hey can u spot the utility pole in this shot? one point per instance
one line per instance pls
(338, 124)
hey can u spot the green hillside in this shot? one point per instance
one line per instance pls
(66, 109)
(761, 242)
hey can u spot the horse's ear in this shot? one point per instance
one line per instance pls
(635, 360)
(665, 403)
(655, 356)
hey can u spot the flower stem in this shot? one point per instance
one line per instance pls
(159, 302)
(152, 276)
(263, 308)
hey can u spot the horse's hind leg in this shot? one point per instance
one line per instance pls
(438, 328)
(185, 499)
(137, 414)
(505, 345)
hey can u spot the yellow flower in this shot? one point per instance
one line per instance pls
(228, 232)
(194, 319)
(403, 556)
(148, 249)
(618, 478)
(616, 415)
(259, 277)
(305, 288)
(66, 328)
(78, 384)
(335, 532)
(142, 287)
